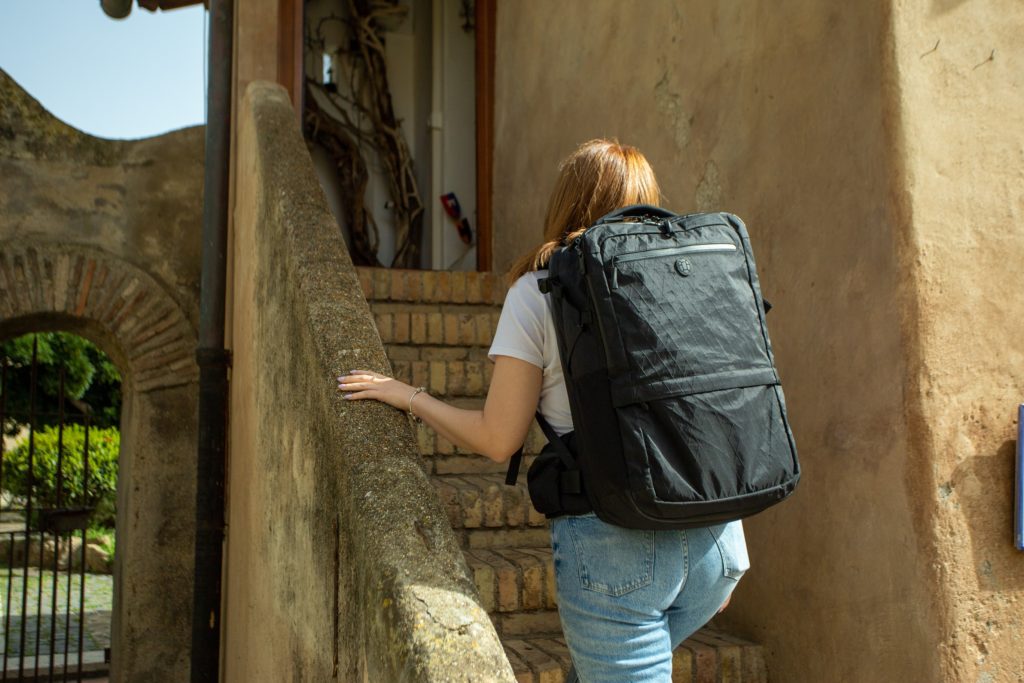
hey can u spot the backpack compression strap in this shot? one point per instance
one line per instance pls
(564, 454)
(517, 458)
(513, 467)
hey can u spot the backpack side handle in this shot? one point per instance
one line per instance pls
(636, 210)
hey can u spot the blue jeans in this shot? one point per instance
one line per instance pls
(627, 598)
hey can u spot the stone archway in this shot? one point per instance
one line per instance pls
(102, 238)
(50, 287)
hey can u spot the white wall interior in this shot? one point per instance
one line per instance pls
(430, 59)
(459, 134)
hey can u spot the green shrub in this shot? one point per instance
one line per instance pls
(100, 493)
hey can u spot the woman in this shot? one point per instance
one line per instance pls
(626, 597)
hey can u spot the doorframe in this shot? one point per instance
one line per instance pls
(290, 44)
(484, 16)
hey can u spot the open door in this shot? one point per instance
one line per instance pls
(438, 78)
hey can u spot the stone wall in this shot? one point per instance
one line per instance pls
(875, 150)
(340, 561)
(101, 238)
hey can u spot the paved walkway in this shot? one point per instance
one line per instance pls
(44, 626)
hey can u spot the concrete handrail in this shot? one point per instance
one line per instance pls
(333, 525)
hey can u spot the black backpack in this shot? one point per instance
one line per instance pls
(679, 416)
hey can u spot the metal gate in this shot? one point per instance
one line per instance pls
(42, 547)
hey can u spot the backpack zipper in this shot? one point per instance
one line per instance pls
(671, 251)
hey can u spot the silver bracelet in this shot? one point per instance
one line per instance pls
(414, 394)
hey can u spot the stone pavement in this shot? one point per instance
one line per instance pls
(39, 625)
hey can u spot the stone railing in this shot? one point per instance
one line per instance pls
(340, 563)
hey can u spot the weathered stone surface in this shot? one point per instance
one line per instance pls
(101, 238)
(341, 557)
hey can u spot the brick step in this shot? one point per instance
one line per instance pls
(486, 513)
(484, 501)
(514, 579)
(539, 659)
(395, 284)
(708, 656)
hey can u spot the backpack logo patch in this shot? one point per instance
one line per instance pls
(684, 266)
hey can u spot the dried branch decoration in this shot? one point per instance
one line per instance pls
(353, 177)
(362, 117)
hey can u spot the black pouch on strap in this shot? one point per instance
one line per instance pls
(554, 480)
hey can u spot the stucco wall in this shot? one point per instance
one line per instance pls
(101, 238)
(960, 68)
(341, 564)
(784, 113)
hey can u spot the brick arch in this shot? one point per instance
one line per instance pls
(46, 285)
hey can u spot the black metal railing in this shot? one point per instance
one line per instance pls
(32, 527)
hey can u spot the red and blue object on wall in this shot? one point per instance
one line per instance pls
(454, 211)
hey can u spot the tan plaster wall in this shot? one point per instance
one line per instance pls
(341, 564)
(783, 113)
(962, 115)
(101, 238)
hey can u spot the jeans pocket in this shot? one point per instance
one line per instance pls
(733, 547)
(610, 559)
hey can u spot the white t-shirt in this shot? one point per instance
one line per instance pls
(526, 331)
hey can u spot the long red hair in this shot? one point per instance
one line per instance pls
(599, 177)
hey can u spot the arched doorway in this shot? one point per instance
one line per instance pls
(127, 313)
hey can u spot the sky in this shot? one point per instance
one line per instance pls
(128, 78)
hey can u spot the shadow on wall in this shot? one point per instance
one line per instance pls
(979, 484)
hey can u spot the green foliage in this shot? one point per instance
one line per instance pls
(91, 382)
(100, 491)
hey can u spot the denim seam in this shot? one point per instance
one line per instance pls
(686, 560)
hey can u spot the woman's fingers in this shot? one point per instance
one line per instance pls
(360, 377)
(363, 377)
(361, 384)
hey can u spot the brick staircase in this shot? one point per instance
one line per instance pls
(437, 327)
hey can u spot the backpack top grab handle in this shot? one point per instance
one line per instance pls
(636, 210)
